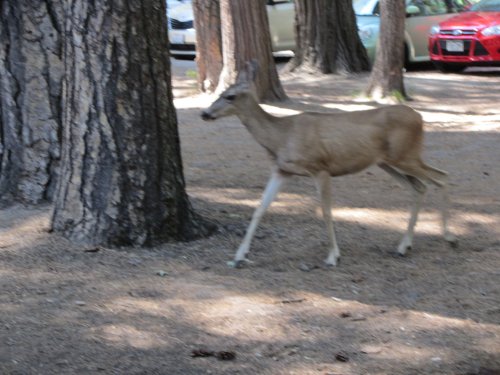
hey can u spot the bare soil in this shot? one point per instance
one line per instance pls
(65, 309)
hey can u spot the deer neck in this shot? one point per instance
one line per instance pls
(264, 127)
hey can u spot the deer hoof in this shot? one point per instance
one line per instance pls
(404, 246)
(238, 263)
(452, 240)
(332, 262)
(402, 250)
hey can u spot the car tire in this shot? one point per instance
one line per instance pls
(407, 63)
(183, 57)
(448, 67)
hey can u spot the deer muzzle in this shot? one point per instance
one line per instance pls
(207, 116)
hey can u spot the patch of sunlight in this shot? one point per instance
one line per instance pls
(310, 366)
(348, 107)
(405, 353)
(25, 231)
(441, 77)
(255, 317)
(428, 222)
(387, 219)
(474, 122)
(234, 197)
(266, 318)
(221, 313)
(9, 308)
(135, 305)
(125, 334)
(420, 322)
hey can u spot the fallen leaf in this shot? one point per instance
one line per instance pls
(225, 356)
(341, 357)
(92, 250)
(285, 301)
(201, 353)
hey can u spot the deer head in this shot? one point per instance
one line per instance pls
(235, 96)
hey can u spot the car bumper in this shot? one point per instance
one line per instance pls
(475, 51)
(182, 42)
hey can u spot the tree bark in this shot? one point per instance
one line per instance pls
(246, 37)
(386, 80)
(208, 43)
(121, 181)
(30, 108)
(327, 39)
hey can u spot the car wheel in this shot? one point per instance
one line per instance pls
(449, 68)
(183, 57)
(407, 64)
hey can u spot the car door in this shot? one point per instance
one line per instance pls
(281, 15)
(418, 25)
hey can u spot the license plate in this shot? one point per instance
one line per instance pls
(176, 38)
(455, 45)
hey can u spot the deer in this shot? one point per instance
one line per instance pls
(324, 145)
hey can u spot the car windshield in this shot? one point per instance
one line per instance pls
(486, 6)
(363, 7)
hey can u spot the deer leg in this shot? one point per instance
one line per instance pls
(323, 183)
(418, 196)
(273, 186)
(445, 214)
(438, 178)
(418, 190)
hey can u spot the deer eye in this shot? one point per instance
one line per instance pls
(230, 97)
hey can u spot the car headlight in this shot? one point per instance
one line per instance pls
(434, 30)
(492, 30)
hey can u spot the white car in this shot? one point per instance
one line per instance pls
(182, 35)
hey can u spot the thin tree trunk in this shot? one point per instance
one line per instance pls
(327, 39)
(246, 37)
(30, 109)
(386, 80)
(122, 180)
(208, 43)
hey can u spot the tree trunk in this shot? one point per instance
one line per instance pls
(121, 180)
(208, 43)
(246, 37)
(327, 39)
(30, 109)
(386, 80)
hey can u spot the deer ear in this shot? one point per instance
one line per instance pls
(249, 73)
(252, 68)
(242, 77)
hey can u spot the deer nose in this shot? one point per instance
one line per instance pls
(207, 116)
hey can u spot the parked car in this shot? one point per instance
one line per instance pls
(173, 3)
(421, 15)
(182, 35)
(468, 39)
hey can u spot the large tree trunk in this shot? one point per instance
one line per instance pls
(386, 80)
(246, 37)
(208, 43)
(327, 39)
(121, 180)
(30, 108)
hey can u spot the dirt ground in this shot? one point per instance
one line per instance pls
(65, 309)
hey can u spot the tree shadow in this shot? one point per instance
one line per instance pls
(65, 309)
(77, 312)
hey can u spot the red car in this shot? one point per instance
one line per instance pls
(470, 38)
